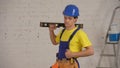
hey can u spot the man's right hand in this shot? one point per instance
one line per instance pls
(52, 27)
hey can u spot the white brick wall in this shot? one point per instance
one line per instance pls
(23, 44)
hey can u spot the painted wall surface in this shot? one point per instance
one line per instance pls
(23, 44)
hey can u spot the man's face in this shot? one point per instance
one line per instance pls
(69, 21)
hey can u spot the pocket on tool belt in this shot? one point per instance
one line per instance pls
(67, 64)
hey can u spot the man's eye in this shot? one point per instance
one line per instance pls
(65, 17)
(70, 18)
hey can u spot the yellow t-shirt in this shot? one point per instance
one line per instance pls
(79, 40)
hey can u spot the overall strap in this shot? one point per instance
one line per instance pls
(73, 34)
(62, 33)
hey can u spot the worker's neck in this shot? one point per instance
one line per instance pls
(70, 28)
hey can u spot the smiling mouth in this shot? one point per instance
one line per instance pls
(66, 24)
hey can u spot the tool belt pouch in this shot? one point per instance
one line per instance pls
(67, 64)
(64, 64)
(55, 65)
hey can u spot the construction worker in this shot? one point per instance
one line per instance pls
(71, 40)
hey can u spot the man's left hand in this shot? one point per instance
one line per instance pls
(68, 54)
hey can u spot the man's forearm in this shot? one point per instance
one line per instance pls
(89, 51)
(52, 37)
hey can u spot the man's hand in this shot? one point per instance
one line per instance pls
(68, 54)
(52, 27)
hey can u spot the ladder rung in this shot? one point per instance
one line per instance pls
(103, 67)
(107, 55)
(112, 42)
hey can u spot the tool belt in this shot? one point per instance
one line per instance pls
(65, 63)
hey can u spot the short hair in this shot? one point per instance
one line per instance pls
(76, 17)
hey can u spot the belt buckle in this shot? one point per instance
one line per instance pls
(71, 60)
(64, 59)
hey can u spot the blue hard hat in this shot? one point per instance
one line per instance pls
(71, 10)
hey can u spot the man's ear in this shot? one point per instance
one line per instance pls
(76, 20)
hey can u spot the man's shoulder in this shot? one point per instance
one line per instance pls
(80, 31)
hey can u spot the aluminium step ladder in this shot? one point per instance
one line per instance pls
(115, 45)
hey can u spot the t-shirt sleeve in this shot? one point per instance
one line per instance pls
(84, 40)
(57, 39)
